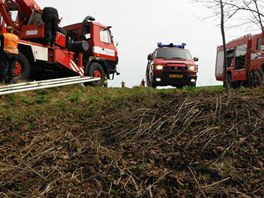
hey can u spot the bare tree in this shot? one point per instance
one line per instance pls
(217, 5)
(227, 10)
(253, 8)
(224, 42)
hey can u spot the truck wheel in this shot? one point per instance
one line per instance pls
(250, 79)
(22, 69)
(96, 70)
(148, 83)
(152, 83)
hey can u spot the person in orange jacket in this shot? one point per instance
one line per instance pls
(8, 55)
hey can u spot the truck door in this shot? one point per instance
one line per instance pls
(230, 54)
(239, 73)
(86, 35)
(219, 65)
(104, 47)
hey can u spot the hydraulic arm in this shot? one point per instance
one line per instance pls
(22, 8)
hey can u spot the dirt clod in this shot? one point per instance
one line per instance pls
(204, 144)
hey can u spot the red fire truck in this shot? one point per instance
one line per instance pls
(82, 49)
(244, 63)
(173, 65)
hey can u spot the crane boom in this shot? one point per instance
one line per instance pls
(24, 9)
(82, 49)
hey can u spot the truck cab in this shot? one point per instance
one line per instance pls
(85, 48)
(101, 50)
(244, 62)
(173, 65)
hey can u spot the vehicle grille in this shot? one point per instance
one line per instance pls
(175, 69)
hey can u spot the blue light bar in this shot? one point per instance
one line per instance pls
(160, 45)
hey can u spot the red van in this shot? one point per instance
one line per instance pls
(173, 65)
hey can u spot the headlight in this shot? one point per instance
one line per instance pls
(159, 67)
(192, 68)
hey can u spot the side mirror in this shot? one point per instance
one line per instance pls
(150, 57)
(195, 59)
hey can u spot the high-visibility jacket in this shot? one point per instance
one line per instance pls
(10, 43)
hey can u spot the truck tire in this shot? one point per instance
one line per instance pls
(148, 83)
(251, 80)
(96, 70)
(152, 83)
(22, 69)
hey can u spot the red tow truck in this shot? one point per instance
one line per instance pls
(244, 63)
(173, 65)
(82, 49)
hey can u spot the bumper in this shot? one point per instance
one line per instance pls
(165, 79)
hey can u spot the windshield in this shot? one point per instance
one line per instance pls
(172, 53)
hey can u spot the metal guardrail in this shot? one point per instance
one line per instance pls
(43, 84)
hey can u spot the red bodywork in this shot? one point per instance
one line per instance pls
(63, 59)
(105, 50)
(177, 69)
(244, 60)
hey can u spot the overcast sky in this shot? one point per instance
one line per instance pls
(139, 24)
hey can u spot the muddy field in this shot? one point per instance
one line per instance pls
(198, 144)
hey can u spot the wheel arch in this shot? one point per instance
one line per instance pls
(27, 51)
